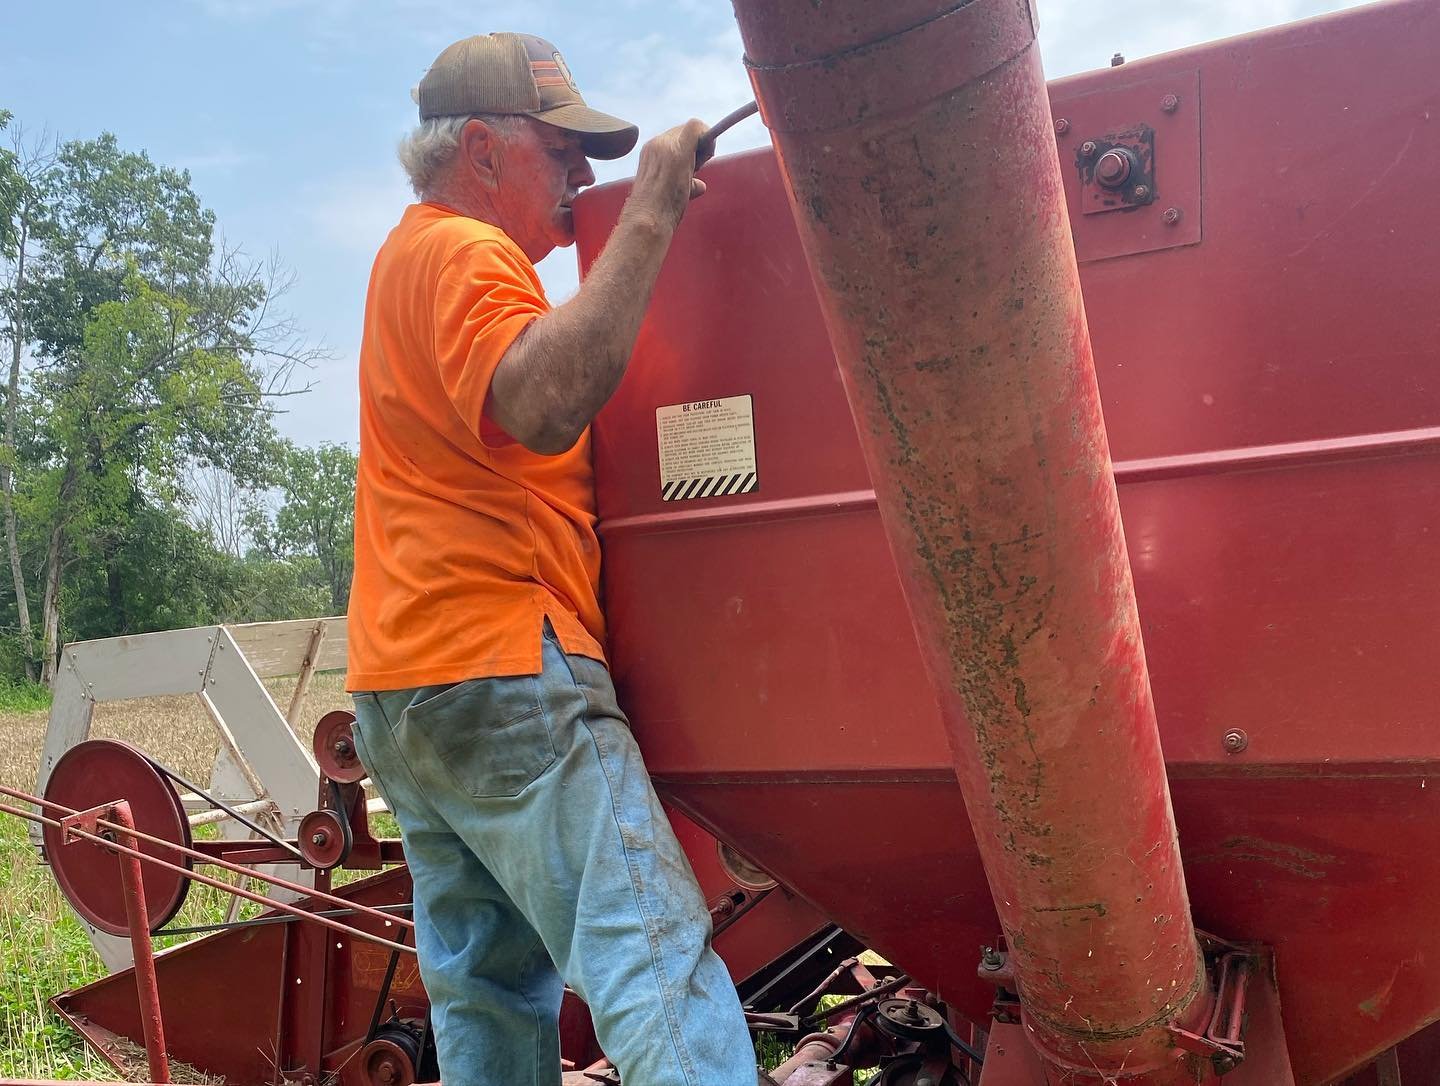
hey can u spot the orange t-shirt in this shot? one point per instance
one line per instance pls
(465, 541)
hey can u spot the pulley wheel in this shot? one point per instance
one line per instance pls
(324, 839)
(335, 747)
(390, 1060)
(101, 771)
(909, 1019)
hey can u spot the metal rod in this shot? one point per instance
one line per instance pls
(820, 989)
(209, 817)
(705, 149)
(206, 880)
(196, 854)
(138, 917)
(754, 898)
(854, 1001)
(233, 812)
(284, 918)
(731, 119)
(918, 149)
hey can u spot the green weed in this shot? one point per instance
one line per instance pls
(19, 696)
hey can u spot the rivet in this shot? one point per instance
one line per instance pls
(1171, 216)
(1170, 103)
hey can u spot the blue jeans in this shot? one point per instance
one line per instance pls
(539, 852)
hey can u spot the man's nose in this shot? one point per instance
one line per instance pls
(581, 173)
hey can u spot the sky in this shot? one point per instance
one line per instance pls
(287, 112)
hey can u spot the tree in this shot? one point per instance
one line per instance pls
(145, 361)
(24, 174)
(316, 517)
(10, 190)
(153, 351)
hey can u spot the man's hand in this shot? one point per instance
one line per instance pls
(665, 180)
(560, 371)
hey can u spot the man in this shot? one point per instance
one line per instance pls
(485, 712)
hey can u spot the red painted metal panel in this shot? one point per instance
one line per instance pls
(1271, 399)
(210, 1025)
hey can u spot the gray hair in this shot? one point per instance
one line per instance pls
(427, 150)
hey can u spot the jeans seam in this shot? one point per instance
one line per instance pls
(404, 761)
(672, 1018)
(536, 1055)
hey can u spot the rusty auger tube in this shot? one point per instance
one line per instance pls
(915, 138)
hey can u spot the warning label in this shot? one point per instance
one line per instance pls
(707, 449)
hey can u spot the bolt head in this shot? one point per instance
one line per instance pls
(1235, 741)
(343, 747)
(1113, 168)
(1061, 126)
(1171, 216)
(1117, 59)
(1170, 103)
(318, 838)
(1088, 148)
(1142, 192)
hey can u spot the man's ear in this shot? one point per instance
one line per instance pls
(480, 146)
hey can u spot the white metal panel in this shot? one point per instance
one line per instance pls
(70, 711)
(264, 741)
(144, 665)
(114, 950)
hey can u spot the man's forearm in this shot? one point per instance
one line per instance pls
(566, 365)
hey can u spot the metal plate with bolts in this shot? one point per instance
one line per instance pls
(101, 771)
(1130, 157)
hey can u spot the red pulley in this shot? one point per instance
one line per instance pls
(324, 839)
(334, 747)
(92, 774)
(389, 1061)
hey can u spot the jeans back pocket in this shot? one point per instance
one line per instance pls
(489, 736)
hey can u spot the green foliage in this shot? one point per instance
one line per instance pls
(109, 212)
(149, 358)
(317, 516)
(20, 696)
(11, 188)
(43, 951)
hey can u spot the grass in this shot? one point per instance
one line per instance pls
(19, 696)
(43, 948)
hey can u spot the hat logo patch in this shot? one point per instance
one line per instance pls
(565, 72)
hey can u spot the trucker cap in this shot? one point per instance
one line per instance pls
(519, 73)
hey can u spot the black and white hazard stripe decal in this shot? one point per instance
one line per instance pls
(714, 486)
